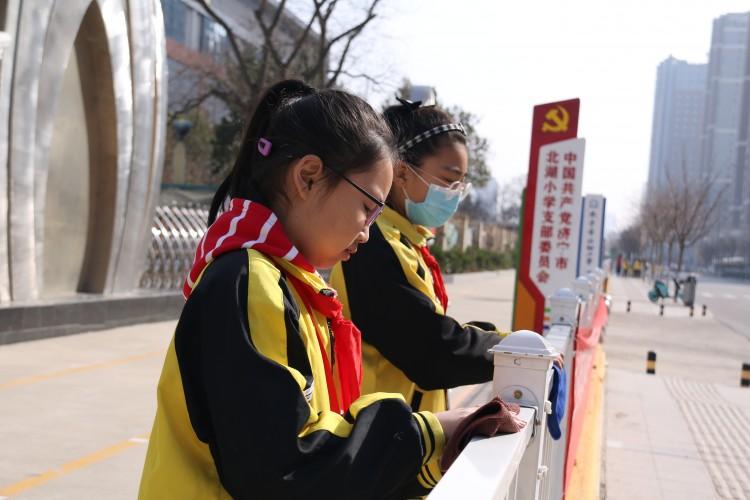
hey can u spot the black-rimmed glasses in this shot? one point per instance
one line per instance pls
(380, 205)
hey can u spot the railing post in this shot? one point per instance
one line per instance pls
(596, 280)
(564, 307)
(583, 287)
(523, 362)
(564, 310)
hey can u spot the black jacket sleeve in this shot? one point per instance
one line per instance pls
(251, 411)
(433, 350)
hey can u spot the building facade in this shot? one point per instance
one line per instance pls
(724, 112)
(677, 122)
(741, 194)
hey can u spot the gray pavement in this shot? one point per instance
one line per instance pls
(75, 411)
(683, 433)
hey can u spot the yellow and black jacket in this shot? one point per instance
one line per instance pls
(409, 345)
(243, 408)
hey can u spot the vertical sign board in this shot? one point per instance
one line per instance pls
(591, 250)
(552, 123)
(557, 217)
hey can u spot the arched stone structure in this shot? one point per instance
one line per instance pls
(109, 57)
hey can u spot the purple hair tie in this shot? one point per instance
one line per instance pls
(264, 146)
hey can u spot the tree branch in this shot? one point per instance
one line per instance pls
(232, 42)
(194, 102)
(350, 34)
(361, 76)
(355, 30)
(268, 30)
(301, 40)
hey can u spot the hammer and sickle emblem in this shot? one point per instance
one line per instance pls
(557, 120)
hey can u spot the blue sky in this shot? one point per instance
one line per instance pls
(499, 58)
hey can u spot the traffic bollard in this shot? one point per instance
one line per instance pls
(651, 363)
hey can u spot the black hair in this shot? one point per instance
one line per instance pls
(407, 120)
(340, 128)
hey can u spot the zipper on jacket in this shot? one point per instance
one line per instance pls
(331, 341)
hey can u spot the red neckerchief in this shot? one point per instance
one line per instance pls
(437, 277)
(346, 348)
(248, 224)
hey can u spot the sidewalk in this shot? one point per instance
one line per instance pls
(75, 412)
(484, 296)
(683, 433)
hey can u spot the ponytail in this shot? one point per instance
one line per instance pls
(283, 91)
(292, 120)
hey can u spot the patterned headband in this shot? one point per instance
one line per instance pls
(440, 129)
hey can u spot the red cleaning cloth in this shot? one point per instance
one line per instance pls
(492, 419)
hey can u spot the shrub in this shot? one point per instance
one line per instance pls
(472, 260)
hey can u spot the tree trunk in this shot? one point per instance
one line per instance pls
(681, 248)
(669, 255)
(660, 258)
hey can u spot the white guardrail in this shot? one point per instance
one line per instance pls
(528, 464)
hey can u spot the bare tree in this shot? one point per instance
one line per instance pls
(196, 84)
(318, 55)
(657, 219)
(479, 170)
(630, 240)
(694, 201)
(317, 50)
(509, 200)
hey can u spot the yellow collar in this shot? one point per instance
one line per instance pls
(418, 235)
(314, 280)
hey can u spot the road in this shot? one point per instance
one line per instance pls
(728, 300)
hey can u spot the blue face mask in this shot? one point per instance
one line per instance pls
(438, 206)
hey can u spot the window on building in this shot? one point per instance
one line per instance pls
(213, 37)
(175, 19)
(735, 37)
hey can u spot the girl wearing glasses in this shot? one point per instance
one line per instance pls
(393, 289)
(259, 396)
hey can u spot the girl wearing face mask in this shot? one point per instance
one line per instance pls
(393, 289)
(259, 396)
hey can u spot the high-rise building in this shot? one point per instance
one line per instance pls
(724, 111)
(678, 120)
(741, 215)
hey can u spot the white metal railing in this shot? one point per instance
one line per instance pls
(561, 336)
(488, 468)
(528, 464)
(512, 466)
